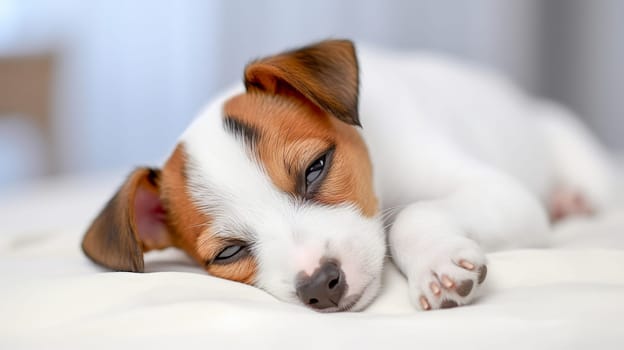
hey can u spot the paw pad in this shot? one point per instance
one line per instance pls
(447, 304)
(482, 273)
(464, 288)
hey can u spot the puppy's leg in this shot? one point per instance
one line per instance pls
(439, 244)
(584, 174)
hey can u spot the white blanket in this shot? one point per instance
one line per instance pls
(51, 296)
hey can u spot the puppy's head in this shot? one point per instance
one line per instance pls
(271, 187)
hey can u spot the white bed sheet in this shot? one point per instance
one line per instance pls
(52, 297)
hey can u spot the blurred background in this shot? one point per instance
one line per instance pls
(89, 86)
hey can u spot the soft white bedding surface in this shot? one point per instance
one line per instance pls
(51, 296)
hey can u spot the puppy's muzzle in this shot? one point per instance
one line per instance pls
(325, 288)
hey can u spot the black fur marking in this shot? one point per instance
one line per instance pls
(247, 133)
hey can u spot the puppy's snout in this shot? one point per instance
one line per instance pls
(324, 288)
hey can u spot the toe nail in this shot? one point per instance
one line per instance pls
(467, 265)
(435, 288)
(447, 304)
(447, 282)
(424, 303)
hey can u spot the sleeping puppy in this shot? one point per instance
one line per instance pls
(297, 183)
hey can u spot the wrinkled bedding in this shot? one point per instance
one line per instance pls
(52, 297)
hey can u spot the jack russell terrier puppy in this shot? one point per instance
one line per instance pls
(299, 183)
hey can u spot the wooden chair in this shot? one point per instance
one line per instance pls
(25, 91)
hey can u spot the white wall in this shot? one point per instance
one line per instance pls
(583, 62)
(133, 73)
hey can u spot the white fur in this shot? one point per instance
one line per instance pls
(460, 156)
(469, 160)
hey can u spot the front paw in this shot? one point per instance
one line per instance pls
(448, 278)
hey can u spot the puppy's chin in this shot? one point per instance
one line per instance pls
(359, 302)
(368, 295)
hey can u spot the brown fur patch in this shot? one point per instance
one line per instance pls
(184, 219)
(325, 73)
(293, 133)
(190, 227)
(243, 270)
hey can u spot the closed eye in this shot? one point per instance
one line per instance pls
(231, 253)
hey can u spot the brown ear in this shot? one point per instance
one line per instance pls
(325, 74)
(131, 223)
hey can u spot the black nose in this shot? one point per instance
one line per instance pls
(324, 288)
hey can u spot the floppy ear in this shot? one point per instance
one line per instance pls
(133, 222)
(325, 74)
